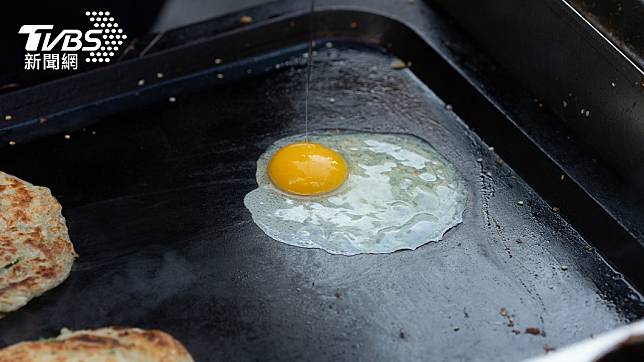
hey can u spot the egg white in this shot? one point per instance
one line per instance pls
(400, 194)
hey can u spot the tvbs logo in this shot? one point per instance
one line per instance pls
(47, 49)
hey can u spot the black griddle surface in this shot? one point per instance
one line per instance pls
(154, 202)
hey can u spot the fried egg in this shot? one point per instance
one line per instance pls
(364, 193)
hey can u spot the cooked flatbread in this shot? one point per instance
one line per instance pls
(110, 344)
(35, 251)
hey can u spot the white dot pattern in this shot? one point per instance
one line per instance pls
(101, 20)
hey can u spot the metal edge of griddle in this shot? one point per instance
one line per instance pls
(491, 119)
(619, 20)
(595, 93)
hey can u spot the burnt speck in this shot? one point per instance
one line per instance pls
(516, 331)
(547, 348)
(519, 241)
(402, 334)
(338, 295)
(533, 330)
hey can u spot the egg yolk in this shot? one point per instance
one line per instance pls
(307, 169)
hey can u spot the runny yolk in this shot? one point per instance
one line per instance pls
(307, 169)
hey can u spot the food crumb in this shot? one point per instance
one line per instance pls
(159, 75)
(220, 76)
(172, 99)
(398, 64)
(503, 311)
(8, 117)
(328, 44)
(533, 330)
(448, 107)
(564, 267)
(354, 25)
(564, 103)
(547, 348)
(246, 19)
(67, 136)
(93, 132)
(520, 202)
(491, 148)
(42, 120)
(217, 60)
(140, 82)
(479, 160)
(12, 143)
(562, 177)
(456, 329)
(555, 209)
(516, 331)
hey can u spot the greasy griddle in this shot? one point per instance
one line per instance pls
(153, 194)
(153, 199)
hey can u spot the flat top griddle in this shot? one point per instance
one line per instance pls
(153, 196)
(153, 199)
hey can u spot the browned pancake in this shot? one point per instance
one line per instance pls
(35, 251)
(111, 344)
